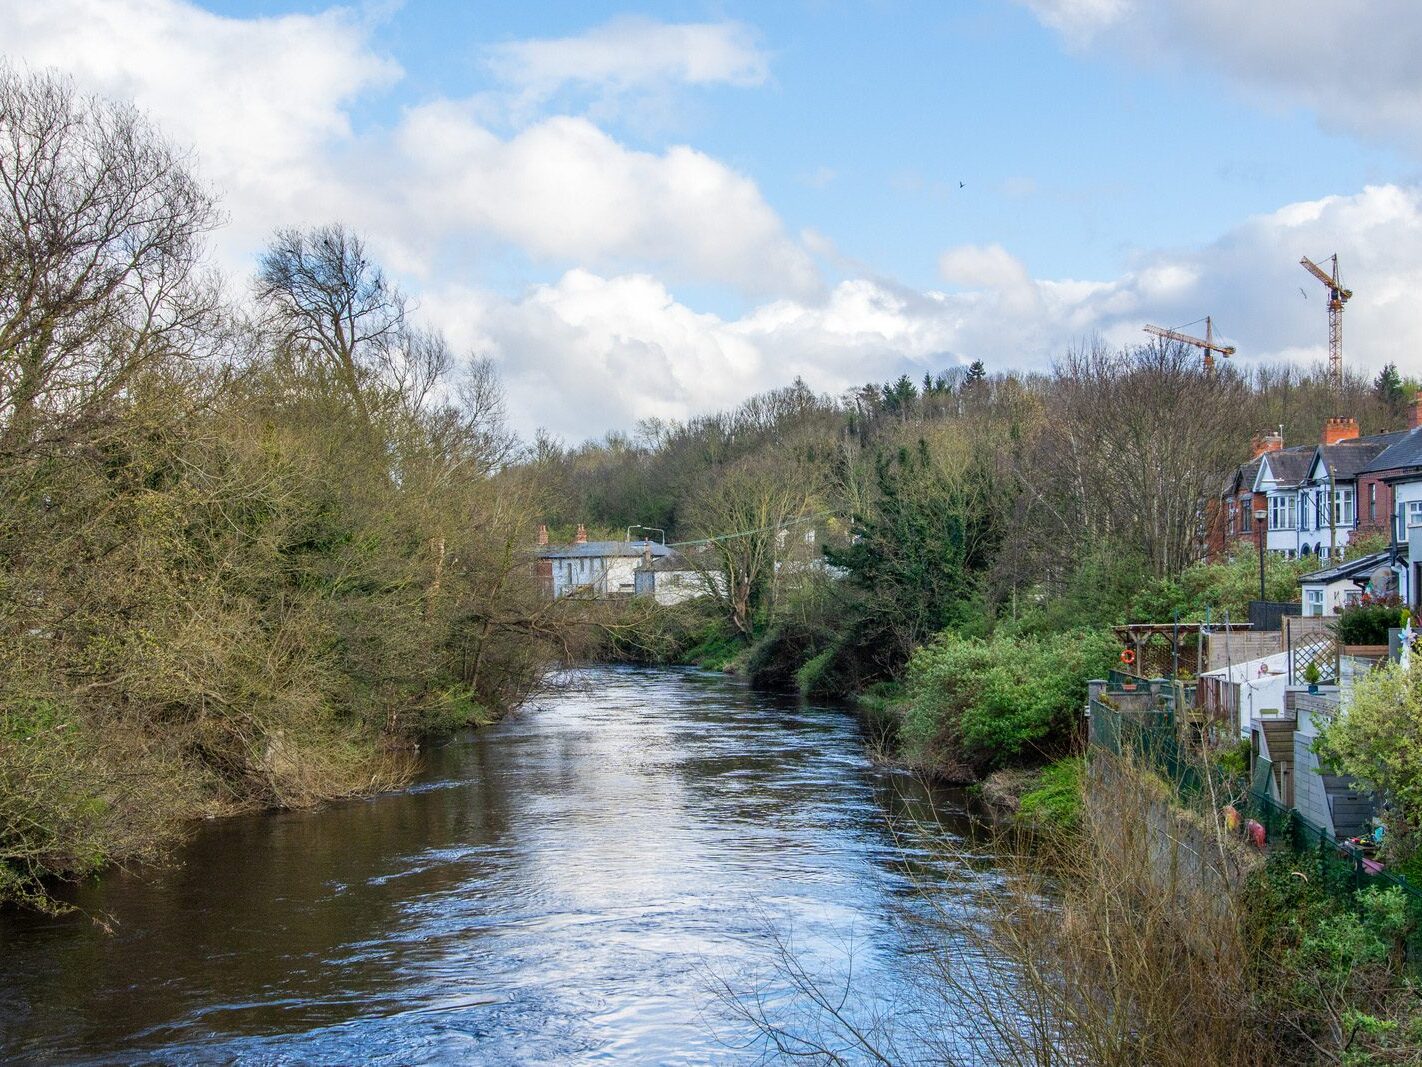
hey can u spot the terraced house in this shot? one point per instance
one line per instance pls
(1313, 499)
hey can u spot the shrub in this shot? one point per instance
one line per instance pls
(993, 701)
(1056, 801)
(1368, 623)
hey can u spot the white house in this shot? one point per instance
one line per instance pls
(1278, 477)
(596, 568)
(1329, 591)
(673, 578)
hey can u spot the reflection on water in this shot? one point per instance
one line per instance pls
(557, 888)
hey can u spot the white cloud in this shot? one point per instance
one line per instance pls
(263, 100)
(1077, 20)
(633, 53)
(566, 192)
(267, 103)
(1354, 65)
(589, 353)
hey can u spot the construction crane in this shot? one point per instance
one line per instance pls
(1337, 297)
(1206, 343)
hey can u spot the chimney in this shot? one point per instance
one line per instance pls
(542, 534)
(582, 537)
(1267, 441)
(1414, 413)
(1336, 430)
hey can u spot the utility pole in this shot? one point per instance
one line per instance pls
(1259, 516)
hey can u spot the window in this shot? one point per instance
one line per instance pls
(1313, 601)
(1372, 501)
(1229, 510)
(1414, 513)
(1303, 511)
(1281, 513)
(1343, 507)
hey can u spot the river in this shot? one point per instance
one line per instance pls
(571, 885)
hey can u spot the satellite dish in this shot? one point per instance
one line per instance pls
(1384, 581)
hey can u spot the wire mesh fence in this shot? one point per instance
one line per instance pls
(1152, 736)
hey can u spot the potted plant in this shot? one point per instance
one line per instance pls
(1311, 676)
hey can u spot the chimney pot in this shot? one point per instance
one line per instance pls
(542, 534)
(582, 537)
(1414, 413)
(1339, 429)
(1266, 441)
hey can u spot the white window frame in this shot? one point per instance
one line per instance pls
(1313, 602)
(1343, 510)
(1281, 512)
(1413, 514)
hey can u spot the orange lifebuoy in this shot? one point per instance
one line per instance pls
(1127, 656)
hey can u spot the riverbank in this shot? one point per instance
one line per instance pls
(555, 888)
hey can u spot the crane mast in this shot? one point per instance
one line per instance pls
(1337, 297)
(1205, 344)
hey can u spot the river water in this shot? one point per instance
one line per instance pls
(572, 885)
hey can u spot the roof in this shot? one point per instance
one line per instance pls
(1348, 459)
(1405, 451)
(1240, 476)
(602, 550)
(672, 561)
(1348, 569)
(1289, 466)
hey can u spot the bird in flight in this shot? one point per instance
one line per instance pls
(960, 185)
(1302, 293)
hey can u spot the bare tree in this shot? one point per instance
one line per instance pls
(1131, 445)
(743, 511)
(328, 298)
(101, 227)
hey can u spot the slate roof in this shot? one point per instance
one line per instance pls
(1348, 459)
(1351, 568)
(602, 550)
(1289, 466)
(1406, 451)
(1243, 475)
(672, 561)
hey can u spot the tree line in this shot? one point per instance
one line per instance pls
(257, 537)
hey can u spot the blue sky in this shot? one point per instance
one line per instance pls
(655, 209)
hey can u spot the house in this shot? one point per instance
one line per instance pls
(1281, 474)
(674, 578)
(1232, 522)
(1328, 513)
(1394, 481)
(1329, 591)
(593, 568)
(1316, 498)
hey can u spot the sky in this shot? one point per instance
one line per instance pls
(647, 210)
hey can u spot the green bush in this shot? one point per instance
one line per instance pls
(1369, 622)
(1056, 801)
(994, 701)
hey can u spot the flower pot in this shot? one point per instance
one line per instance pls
(1313, 687)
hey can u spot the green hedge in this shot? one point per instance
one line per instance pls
(994, 701)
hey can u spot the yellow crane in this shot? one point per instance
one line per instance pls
(1337, 297)
(1206, 343)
